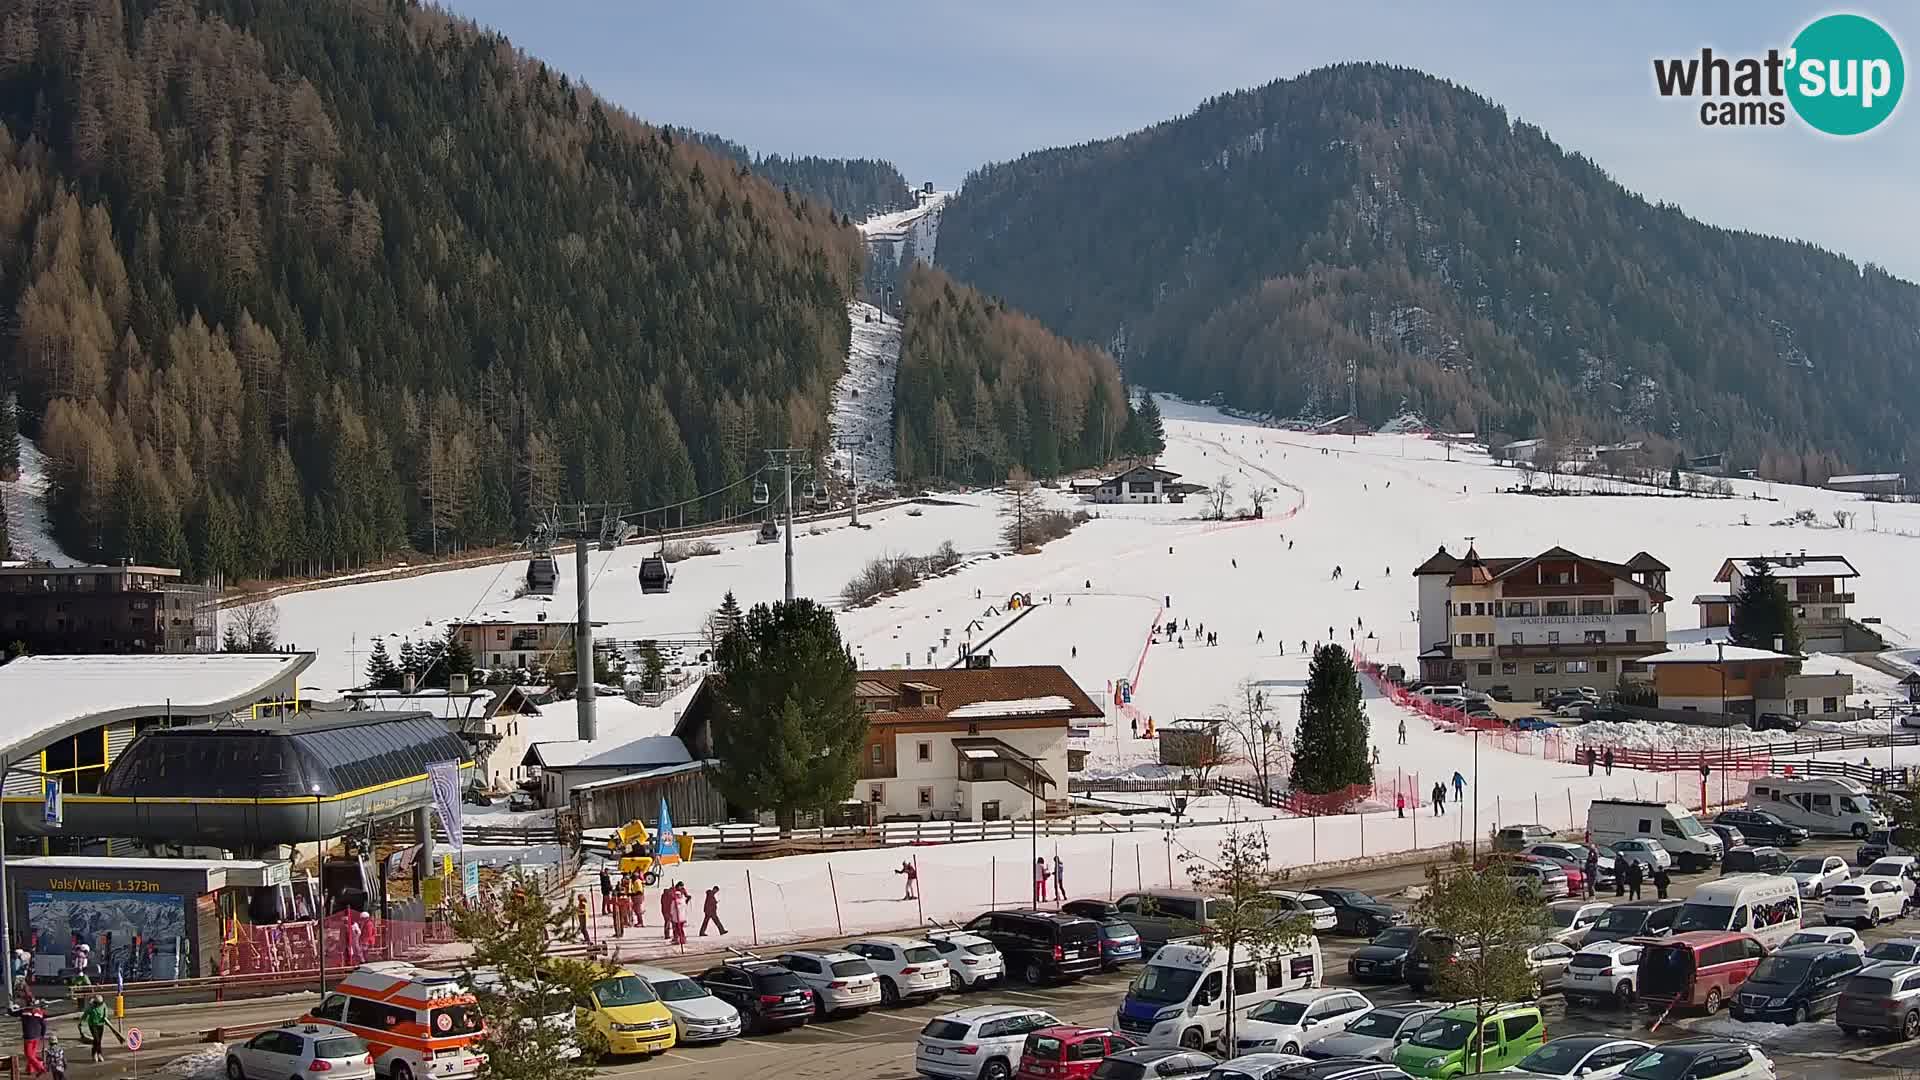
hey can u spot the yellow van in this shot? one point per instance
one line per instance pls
(627, 1013)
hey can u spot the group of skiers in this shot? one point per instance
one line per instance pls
(625, 907)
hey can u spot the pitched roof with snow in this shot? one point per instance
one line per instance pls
(1705, 653)
(1153, 472)
(1789, 566)
(1044, 693)
(1474, 570)
(605, 753)
(53, 696)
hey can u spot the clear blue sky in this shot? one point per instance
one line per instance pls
(941, 88)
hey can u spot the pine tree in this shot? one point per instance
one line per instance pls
(382, 672)
(790, 735)
(409, 659)
(1763, 612)
(9, 438)
(455, 657)
(1331, 748)
(653, 666)
(1153, 430)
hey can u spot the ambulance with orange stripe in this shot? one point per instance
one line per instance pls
(419, 1024)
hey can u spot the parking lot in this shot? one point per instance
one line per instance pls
(880, 1043)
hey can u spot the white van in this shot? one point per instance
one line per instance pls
(1693, 845)
(1764, 905)
(1822, 805)
(1182, 990)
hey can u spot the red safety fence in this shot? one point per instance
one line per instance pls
(352, 938)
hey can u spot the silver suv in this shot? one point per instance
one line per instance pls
(1883, 997)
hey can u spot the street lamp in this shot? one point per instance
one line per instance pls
(1720, 655)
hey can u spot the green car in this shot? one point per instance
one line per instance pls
(1443, 1048)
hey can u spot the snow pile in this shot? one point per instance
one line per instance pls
(863, 399)
(28, 530)
(1653, 735)
(1780, 1038)
(1039, 706)
(208, 1063)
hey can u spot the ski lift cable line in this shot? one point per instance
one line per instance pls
(690, 500)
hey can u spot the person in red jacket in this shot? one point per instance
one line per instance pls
(711, 912)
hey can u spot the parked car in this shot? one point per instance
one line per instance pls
(1339, 1069)
(1903, 870)
(1815, 874)
(1644, 850)
(1548, 960)
(1701, 1059)
(842, 982)
(1500, 692)
(1119, 942)
(1517, 837)
(1384, 958)
(1355, 912)
(983, 1043)
(1754, 860)
(1156, 1063)
(1605, 971)
(1571, 919)
(1898, 950)
(1376, 1033)
(1430, 949)
(1317, 911)
(1445, 1046)
(1763, 827)
(1773, 721)
(1699, 969)
(1866, 902)
(1097, 910)
(1884, 997)
(1826, 935)
(1638, 918)
(1533, 723)
(1542, 880)
(296, 1050)
(1730, 835)
(908, 968)
(520, 802)
(1797, 984)
(475, 795)
(1573, 856)
(1066, 1052)
(1480, 710)
(628, 1014)
(1257, 1067)
(1582, 1057)
(1879, 844)
(767, 996)
(698, 1015)
(972, 961)
(1295, 1020)
(1043, 946)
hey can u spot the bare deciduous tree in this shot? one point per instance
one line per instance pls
(1220, 497)
(252, 627)
(1257, 736)
(1021, 505)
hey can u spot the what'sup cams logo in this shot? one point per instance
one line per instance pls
(1842, 75)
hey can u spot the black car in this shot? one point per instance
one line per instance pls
(1155, 1063)
(767, 995)
(1501, 692)
(1754, 860)
(1384, 959)
(1698, 1059)
(1097, 910)
(1358, 913)
(1730, 835)
(1762, 827)
(1338, 1069)
(1043, 946)
(1430, 951)
(1775, 721)
(1797, 983)
(1643, 918)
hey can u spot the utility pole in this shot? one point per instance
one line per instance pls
(605, 520)
(852, 447)
(1353, 408)
(789, 460)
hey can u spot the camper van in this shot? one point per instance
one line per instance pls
(1694, 846)
(1766, 906)
(1823, 805)
(1181, 992)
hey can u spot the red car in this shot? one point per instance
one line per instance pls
(1069, 1053)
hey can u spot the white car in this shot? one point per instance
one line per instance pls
(1573, 918)
(1294, 1020)
(1603, 971)
(1588, 1057)
(972, 961)
(982, 1043)
(1904, 950)
(841, 982)
(295, 1049)
(1313, 907)
(1904, 869)
(1866, 902)
(1644, 850)
(908, 968)
(1825, 935)
(1701, 1059)
(698, 1016)
(1816, 874)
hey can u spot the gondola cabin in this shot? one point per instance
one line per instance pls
(541, 573)
(769, 532)
(655, 575)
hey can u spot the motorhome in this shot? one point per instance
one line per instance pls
(1182, 990)
(1766, 906)
(1823, 805)
(1694, 846)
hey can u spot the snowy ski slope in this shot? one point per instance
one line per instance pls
(863, 398)
(28, 531)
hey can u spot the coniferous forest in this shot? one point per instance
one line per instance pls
(857, 188)
(294, 284)
(1467, 268)
(982, 388)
